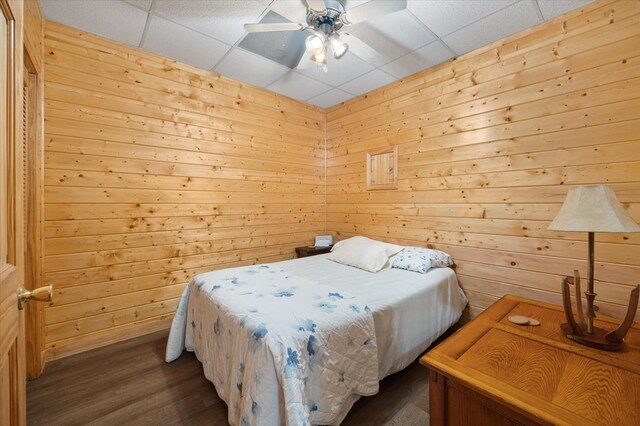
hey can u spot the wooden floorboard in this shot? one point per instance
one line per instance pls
(129, 383)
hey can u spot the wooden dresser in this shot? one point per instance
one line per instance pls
(493, 372)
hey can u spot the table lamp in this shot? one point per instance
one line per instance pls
(593, 208)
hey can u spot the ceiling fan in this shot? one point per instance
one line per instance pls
(326, 20)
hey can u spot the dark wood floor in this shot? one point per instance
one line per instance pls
(130, 384)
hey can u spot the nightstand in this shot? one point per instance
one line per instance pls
(494, 372)
(311, 251)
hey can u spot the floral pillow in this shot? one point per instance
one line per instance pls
(420, 259)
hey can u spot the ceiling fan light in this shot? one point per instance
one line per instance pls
(338, 46)
(340, 51)
(315, 42)
(320, 57)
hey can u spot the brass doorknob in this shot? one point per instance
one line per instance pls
(40, 294)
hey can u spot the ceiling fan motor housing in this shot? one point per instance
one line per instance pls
(328, 21)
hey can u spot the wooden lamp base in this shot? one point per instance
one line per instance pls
(597, 339)
(584, 332)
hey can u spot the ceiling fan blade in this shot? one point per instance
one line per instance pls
(286, 26)
(361, 49)
(317, 5)
(387, 49)
(372, 9)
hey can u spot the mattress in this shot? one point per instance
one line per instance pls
(405, 311)
(410, 310)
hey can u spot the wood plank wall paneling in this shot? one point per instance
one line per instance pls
(489, 144)
(156, 171)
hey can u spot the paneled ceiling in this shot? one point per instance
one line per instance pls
(209, 34)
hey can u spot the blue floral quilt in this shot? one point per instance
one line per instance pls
(279, 348)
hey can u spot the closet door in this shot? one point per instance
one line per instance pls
(12, 367)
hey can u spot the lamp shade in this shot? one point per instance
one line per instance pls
(315, 42)
(593, 208)
(320, 56)
(338, 46)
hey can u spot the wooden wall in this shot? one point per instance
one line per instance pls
(488, 146)
(156, 171)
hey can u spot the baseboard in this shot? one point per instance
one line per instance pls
(107, 337)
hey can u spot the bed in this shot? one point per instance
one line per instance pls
(298, 342)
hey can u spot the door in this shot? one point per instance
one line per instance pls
(12, 369)
(32, 207)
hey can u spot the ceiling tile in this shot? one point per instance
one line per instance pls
(222, 19)
(330, 98)
(182, 44)
(552, 8)
(445, 16)
(115, 20)
(368, 82)
(297, 86)
(140, 4)
(339, 71)
(250, 68)
(418, 60)
(494, 27)
(293, 10)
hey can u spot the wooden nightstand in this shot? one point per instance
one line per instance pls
(311, 251)
(493, 372)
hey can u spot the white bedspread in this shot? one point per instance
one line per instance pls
(302, 342)
(261, 331)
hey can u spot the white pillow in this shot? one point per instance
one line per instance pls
(364, 253)
(420, 259)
